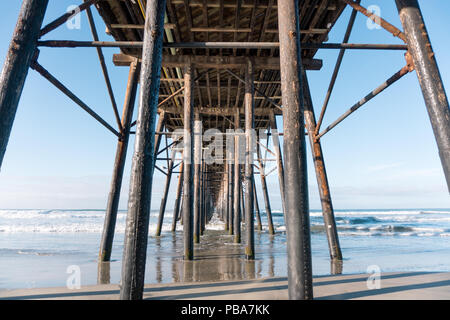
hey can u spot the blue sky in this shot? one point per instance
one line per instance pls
(383, 156)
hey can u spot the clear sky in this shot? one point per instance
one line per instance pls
(383, 156)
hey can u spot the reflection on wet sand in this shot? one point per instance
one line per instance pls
(104, 273)
(159, 276)
(175, 271)
(336, 267)
(217, 258)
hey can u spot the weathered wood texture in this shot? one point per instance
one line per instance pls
(294, 146)
(18, 60)
(119, 165)
(136, 233)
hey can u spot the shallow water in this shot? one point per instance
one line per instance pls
(38, 246)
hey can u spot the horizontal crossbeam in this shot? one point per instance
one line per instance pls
(218, 62)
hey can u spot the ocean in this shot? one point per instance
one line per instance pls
(38, 248)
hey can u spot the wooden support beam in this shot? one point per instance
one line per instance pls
(119, 165)
(257, 211)
(232, 4)
(58, 84)
(395, 77)
(18, 60)
(279, 159)
(162, 117)
(321, 175)
(430, 79)
(139, 204)
(249, 105)
(65, 17)
(203, 199)
(265, 191)
(296, 180)
(377, 19)
(220, 62)
(226, 197)
(237, 180)
(222, 111)
(188, 180)
(167, 26)
(162, 208)
(170, 26)
(242, 201)
(197, 175)
(231, 170)
(101, 59)
(176, 207)
(218, 45)
(337, 67)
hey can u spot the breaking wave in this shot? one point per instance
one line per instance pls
(423, 223)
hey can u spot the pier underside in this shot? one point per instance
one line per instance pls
(226, 68)
(219, 72)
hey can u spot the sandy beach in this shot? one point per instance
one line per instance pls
(393, 286)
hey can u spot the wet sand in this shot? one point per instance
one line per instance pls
(41, 259)
(219, 271)
(393, 286)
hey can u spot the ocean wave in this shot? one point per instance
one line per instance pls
(51, 214)
(35, 252)
(384, 230)
(363, 220)
(215, 224)
(79, 228)
(435, 212)
(379, 222)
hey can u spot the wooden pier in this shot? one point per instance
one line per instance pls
(214, 76)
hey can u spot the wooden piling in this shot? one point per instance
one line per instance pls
(176, 207)
(249, 105)
(226, 197)
(139, 204)
(231, 166)
(294, 147)
(162, 208)
(203, 200)
(321, 175)
(430, 80)
(219, 202)
(207, 197)
(197, 176)
(242, 201)
(162, 117)
(257, 211)
(119, 165)
(188, 180)
(278, 156)
(265, 190)
(237, 181)
(21, 52)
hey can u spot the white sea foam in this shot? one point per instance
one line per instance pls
(351, 222)
(215, 223)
